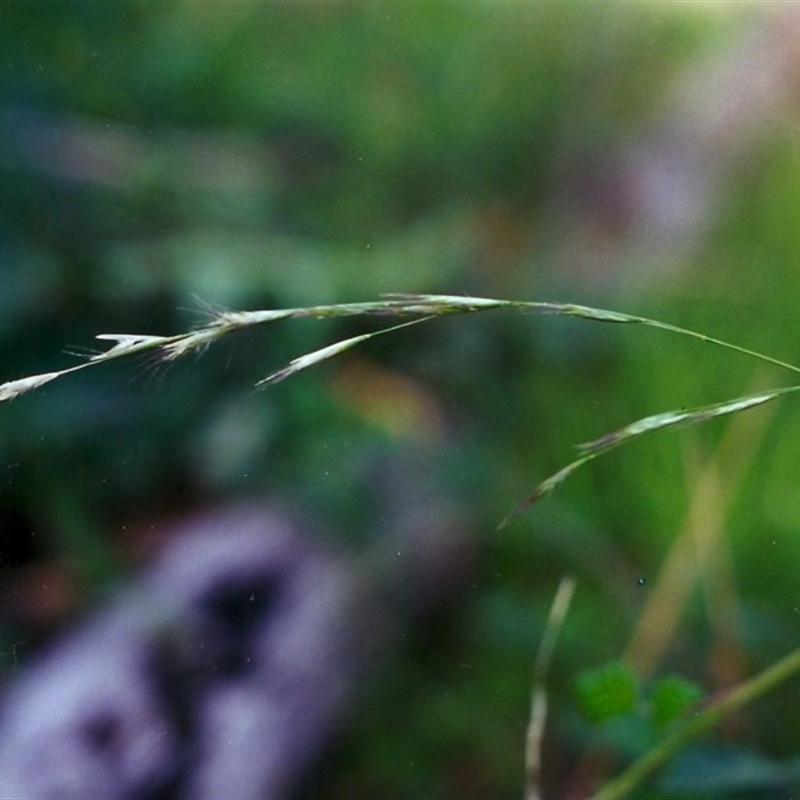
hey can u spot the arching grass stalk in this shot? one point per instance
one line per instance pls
(702, 721)
(423, 307)
(667, 419)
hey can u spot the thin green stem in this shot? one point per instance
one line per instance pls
(720, 343)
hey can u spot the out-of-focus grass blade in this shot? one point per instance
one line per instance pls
(667, 419)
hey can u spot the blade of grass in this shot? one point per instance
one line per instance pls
(713, 482)
(424, 307)
(668, 419)
(222, 323)
(310, 359)
(538, 713)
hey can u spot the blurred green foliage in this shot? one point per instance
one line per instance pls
(157, 157)
(607, 691)
(671, 697)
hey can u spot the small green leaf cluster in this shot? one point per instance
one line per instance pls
(613, 690)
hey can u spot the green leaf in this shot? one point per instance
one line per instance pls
(671, 698)
(607, 691)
